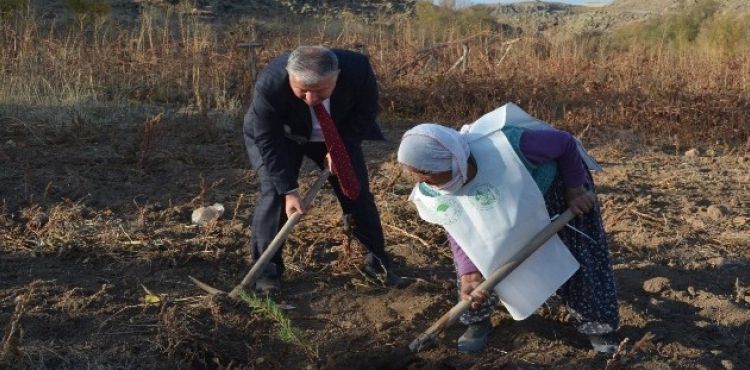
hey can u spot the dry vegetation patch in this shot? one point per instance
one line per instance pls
(113, 132)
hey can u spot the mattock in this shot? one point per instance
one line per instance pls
(429, 337)
(273, 247)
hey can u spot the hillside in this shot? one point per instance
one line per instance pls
(531, 16)
(657, 6)
(127, 11)
(541, 16)
(116, 127)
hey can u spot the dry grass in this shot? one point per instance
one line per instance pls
(151, 92)
(171, 58)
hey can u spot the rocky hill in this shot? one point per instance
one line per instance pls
(541, 16)
(126, 11)
(530, 16)
(659, 6)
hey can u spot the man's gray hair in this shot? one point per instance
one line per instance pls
(311, 64)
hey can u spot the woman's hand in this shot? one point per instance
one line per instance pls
(579, 200)
(469, 282)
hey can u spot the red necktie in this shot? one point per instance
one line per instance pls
(342, 165)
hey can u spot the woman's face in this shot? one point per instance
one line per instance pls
(429, 178)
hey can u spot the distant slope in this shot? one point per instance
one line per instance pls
(652, 6)
(658, 6)
(130, 10)
(538, 16)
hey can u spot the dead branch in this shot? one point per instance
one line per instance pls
(646, 216)
(622, 356)
(10, 352)
(237, 207)
(461, 60)
(449, 43)
(402, 231)
(147, 139)
(508, 44)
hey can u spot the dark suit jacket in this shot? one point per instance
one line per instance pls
(277, 116)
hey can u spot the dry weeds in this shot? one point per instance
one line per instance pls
(109, 140)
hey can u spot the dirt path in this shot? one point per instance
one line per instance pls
(85, 236)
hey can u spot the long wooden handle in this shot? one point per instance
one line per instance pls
(452, 315)
(280, 237)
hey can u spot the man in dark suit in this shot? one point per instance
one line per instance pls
(295, 98)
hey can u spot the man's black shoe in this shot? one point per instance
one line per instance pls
(387, 277)
(268, 285)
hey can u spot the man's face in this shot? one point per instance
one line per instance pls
(313, 94)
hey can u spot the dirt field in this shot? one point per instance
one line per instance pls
(87, 237)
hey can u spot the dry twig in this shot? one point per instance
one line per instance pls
(10, 351)
(402, 231)
(622, 355)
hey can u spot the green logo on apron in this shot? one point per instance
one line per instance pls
(484, 196)
(447, 210)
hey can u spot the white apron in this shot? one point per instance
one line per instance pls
(512, 115)
(493, 217)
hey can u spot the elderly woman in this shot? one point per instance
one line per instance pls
(459, 176)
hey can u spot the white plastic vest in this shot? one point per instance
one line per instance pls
(493, 216)
(512, 115)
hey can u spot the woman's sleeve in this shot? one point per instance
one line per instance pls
(540, 146)
(460, 259)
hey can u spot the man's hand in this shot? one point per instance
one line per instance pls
(579, 200)
(469, 282)
(293, 203)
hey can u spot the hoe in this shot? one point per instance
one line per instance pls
(429, 337)
(272, 248)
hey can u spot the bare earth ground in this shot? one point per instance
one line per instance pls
(85, 235)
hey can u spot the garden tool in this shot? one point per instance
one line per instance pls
(429, 337)
(273, 247)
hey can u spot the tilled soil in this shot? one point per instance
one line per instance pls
(95, 253)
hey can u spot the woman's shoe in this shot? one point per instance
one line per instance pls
(475, 338)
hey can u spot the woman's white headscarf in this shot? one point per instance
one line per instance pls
(430, 147)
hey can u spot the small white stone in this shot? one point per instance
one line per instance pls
(727, 364)
(205, 215)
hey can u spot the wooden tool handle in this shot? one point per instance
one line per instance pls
(280, 237)
(498, 275)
